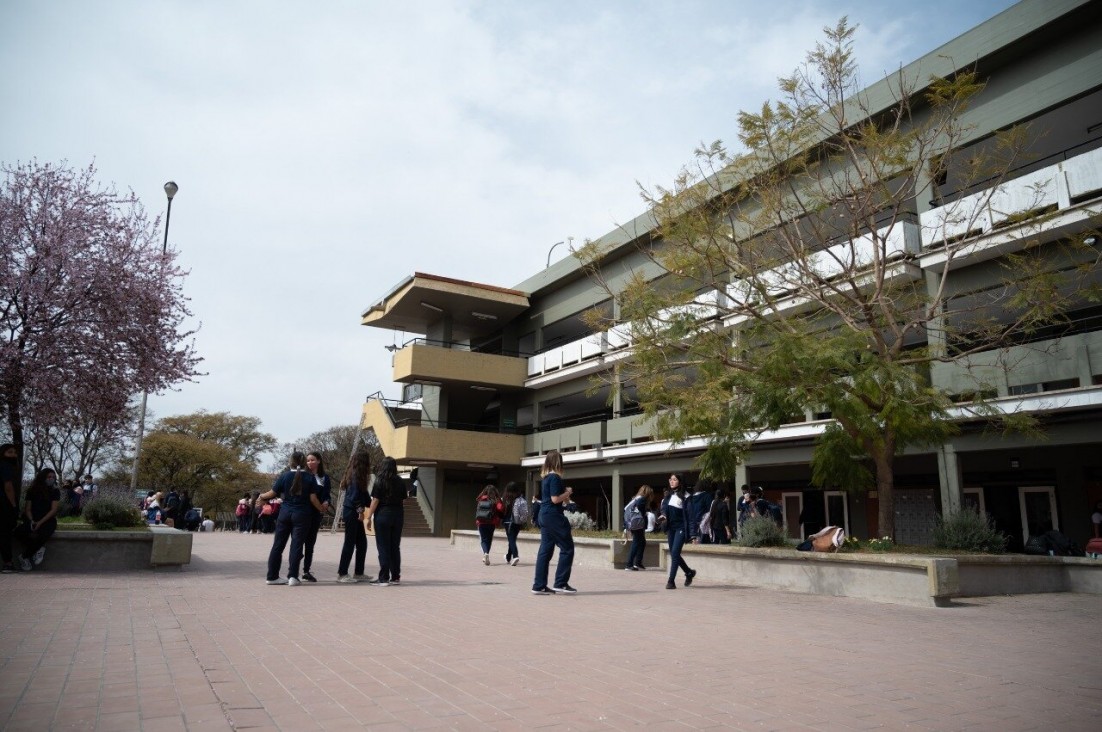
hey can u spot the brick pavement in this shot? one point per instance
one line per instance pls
(464, 646)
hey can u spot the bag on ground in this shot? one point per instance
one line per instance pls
(829, 539)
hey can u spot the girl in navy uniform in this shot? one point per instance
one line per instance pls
(323, 490)
(355, 484)
(40, 510)
(297, 489)
(388, 516)
(675, 509)
(554, 529)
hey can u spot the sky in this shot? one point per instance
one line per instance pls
(326, 150)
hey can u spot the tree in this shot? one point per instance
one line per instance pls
(781, 280)
(91, 310)
(335, 445)
(240, 435)
(74, 446)
(211, 455)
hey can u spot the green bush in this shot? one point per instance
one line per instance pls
(580, 521)
(106, 512)
(968, 530)
(761, 531)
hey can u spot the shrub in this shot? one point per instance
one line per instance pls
(110, 509)
(761, 531)
(968, 530)
(883, 544)
(580, 521)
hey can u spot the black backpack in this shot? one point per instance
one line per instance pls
(484, 511)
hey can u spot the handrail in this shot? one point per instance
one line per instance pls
(457, 346)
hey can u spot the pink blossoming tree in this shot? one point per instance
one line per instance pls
(91, 310)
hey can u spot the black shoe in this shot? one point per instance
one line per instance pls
(543, 591)
(565, 589)
(670, 585)
(689, 577)
(640, 567)
(307, 577)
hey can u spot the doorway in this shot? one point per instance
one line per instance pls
(1038, 506)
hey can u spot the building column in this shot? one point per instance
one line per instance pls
(740, 478)
(617, 518)
(949, 476)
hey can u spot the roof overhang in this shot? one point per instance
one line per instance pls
(421, 300)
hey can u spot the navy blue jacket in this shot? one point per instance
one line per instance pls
(282, 487)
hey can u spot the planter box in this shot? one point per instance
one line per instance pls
(75, 551)
(906, 579)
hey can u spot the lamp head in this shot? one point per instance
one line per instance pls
(170, 189)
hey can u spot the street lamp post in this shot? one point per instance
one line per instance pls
(170, 190)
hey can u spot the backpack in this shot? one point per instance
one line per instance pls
(485, 511)
(633, 517)
(775, 512)
(706, 526)
(520, 511)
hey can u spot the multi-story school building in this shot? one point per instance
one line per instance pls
(504, 374)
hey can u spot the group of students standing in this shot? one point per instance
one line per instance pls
(371, 503)
(39, 511)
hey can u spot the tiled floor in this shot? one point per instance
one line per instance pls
(464, 646)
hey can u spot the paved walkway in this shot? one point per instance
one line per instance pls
(464, 646)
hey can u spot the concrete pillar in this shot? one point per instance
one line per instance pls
(949, 476)
(617, 489)
(740, 478)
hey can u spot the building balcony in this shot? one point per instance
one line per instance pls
(407, 436)
(590, 435)
(424, 361)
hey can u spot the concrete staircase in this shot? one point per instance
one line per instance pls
(416, 524)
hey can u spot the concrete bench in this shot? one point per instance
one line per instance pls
(79, 550)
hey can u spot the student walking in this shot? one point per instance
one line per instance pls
(635, 522)
(516, 518)
(488, 513)
(388, 516)
(40, 512)
(677, 530)
(296, 489)
(554, 529)
(356, 484)
(316, 466)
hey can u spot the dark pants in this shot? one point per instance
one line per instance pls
(388, 540)
(554, 532)
(355, 540)
(676, 540)
(8, 519)
(289, 525)
(486, 536)
(638, 546)
(243, 523)
(511, 532)
(34, 540)
(311, 538)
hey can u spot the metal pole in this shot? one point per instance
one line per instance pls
(170, 191)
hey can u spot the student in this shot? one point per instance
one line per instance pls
(323, 490)
(297, 491)
(356, 483)
(489, 511)
(11, 484)
(638, 534)
(244, 513)
(388, 516)
(720, 512)
(554, 529)
(699, 501)
(512, 524)
(40, 512)
(674, 509)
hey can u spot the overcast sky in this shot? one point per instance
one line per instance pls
(326, 150)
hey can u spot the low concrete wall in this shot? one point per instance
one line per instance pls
(74, 551)
(1016, 574)
(902, 579)
(926, 581)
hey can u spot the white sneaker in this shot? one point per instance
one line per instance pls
(25, 564)
(345, 579)
(294, 581)
(515, 562)
(277, 581)
(39, 556)
(486, 559)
